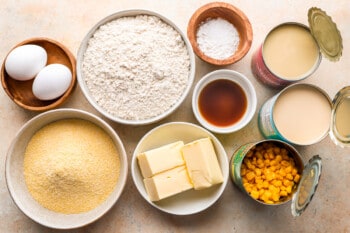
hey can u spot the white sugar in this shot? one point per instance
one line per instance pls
(217, 38)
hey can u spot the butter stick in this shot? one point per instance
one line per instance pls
(167, 183)
(160, 159)
(202, 163)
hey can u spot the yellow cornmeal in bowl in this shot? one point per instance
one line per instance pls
(71, 166)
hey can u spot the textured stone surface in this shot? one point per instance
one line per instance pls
(69, 21)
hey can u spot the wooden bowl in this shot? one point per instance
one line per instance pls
(21, 91)
(231, 14)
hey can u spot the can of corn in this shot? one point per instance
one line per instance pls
(272, 172)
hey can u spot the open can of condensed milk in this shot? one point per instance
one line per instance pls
(302, 192)
(292, 51)
(303, 114)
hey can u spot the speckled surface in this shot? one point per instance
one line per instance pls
(69, 21)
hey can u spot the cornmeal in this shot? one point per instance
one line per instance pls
(71, 166)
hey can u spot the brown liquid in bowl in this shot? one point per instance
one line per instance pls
(222, 102)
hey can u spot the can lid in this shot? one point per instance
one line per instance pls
(340, 125)
(307, 186)
(326, 33)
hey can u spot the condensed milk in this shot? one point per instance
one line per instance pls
(289, 54)
(300, 114)
(292, 51)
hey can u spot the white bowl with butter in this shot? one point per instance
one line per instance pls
(192, 199)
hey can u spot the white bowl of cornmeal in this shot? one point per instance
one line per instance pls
(66, 168)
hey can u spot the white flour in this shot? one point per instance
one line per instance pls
(217, 38)
(136, 67)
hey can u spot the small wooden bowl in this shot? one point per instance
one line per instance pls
(21, 91)
(231, 14)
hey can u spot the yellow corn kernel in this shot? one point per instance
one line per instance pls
(260, 185)
(276, 150)
(273, 168)
(275, 197)
(286, 183)
(285, 163)
(272, 188)
(289, 189)
(282, 172)
(253, 161)
(284, 151)
(283, 193)
(285, 157)
(243, 171)
(265, 184)
(267, 195)
(288, 169)
(261, 192)
(248, 188)
(274, 162)
(249, 154)
(294, 171)
(277, 183)
(278, 158)
(296, 178)
(258, 155)
(250, 176)
(258, 172)
(254, 194)
(289, 176)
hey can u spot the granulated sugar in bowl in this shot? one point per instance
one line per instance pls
(135, 67)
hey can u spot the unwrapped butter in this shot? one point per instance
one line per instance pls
(202, 163)
(161, 159)
(168, 183)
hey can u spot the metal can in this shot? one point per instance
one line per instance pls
(302, 193)
(299, 114)
(281, 59)
(292, 51)
(239, 155)
(340, 124)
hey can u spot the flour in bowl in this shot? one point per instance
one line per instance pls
(136, 67)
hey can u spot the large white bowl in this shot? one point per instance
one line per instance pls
(85, 89)
(15, 174)
(191, 201)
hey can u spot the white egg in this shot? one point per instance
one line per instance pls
(24, 62)
(52, 82)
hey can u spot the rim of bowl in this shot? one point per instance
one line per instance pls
(66, 113)
(80, 57)
(239, 79)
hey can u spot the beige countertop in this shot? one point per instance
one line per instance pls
(69, 21)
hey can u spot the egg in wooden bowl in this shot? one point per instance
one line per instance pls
(39, 74)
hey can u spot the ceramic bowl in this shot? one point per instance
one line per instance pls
(233, 15)
(237, 78)
(191, 201)
(21, 93)
(15, 175)
(93, 100)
